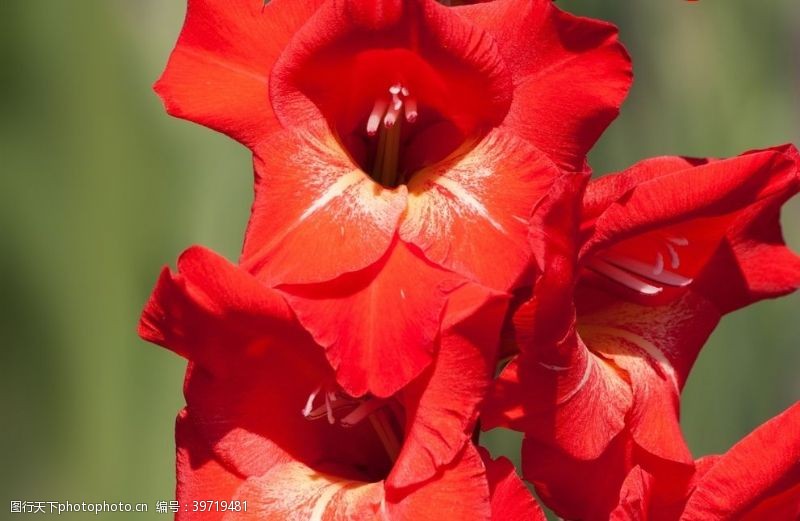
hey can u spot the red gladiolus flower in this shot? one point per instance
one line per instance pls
(398, 144)
(471, 487)
(635, 278)
(266, 421)
(757, 479)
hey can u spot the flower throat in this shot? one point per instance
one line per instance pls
(385, 123)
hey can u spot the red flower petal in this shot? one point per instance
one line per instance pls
(315, 215)
(352, 51)
(441, 405)
(761, 472)
(470, 213)
(634, 497)
(681, 196)
(246, 390)
(293, 491)
(653, 417)
(218, 73)
(378, 325)
(577, 489)
(210, 308)
(511, 499)
(570, 74)
(579, 406)
(459, 492)
(199, 475)
(557, 391)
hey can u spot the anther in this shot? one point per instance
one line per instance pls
(375, 117)
(310, 402)
(386, 109)
(362, 411)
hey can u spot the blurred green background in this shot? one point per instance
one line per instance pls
(100, 189)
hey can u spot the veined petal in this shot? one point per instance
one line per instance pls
(442, 404)
(758, 478)
(295, 492)
(460, 491)
(470, 213)
(316, 215)
(511, 499)
(570, 74)
(653, 417)
(252, 369)
(218, 73)
(754, 262)
(668, 335)
(579, 407)
(378, 325)
(254, 420)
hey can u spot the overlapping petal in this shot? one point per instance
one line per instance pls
(378, 326)
(443, 404)
(332, 247)
(293, 491)
(613, 296)
(758, 478)
(511, 500)
(255, 373)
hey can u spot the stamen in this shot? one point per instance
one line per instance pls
(647, 271)
(411, 109)
(391, 114)
(375, 117)
(361, 412)
(675, 260)
(659, 267)
(357, 410)
(679, 241)
(623, 277)
(384, 119)
(329, 397)
(310, 402)
(386, 435)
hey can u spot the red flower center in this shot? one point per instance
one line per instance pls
(400, 88)
(381, 419)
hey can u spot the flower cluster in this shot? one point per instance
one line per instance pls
(426, 258)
